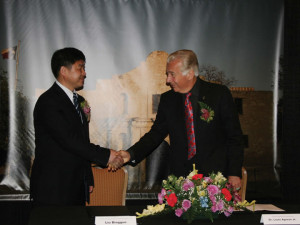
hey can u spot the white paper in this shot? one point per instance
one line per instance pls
(262, 207)
(286, 219)
(268, 207)
(115, 220)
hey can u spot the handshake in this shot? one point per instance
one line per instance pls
(117, 159)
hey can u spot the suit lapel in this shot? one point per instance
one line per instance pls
(67, 105)
(202, 91)
(178, 113)
(200, 126)
(84, 119)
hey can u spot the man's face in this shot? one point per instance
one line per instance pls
(74, 76)
(175, 78)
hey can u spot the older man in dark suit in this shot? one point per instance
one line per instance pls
(201, 121)
(61, 172)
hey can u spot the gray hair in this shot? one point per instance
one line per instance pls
(188, 58)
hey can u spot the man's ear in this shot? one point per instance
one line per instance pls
(63, 71)
(191, 74)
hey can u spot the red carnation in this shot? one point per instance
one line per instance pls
(205, 114)
(226, 194)
(197, 177)
(171, 199)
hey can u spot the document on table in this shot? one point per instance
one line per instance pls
(267, 207)
(262, 207)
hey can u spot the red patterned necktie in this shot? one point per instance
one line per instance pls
(190, 127)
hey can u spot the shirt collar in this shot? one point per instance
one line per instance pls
(195, 89)
(68, 92)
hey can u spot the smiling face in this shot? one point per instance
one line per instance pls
(179, 82)
(73, 77)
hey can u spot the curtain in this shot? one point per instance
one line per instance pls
(126, 44)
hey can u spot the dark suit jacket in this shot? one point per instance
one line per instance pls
(61, 170)
(219, 143)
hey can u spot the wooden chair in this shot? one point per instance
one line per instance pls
(242, 191)
(110, 187)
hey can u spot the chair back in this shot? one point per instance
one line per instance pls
(242, 191)
(109, 187)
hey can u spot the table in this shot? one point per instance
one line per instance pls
(81, 215)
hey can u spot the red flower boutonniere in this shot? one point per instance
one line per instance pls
(207, 114)
(86, 109)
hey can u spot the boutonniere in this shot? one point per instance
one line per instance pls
(207, 114)
(86, 109)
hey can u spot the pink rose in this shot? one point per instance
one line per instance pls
(226, 213)
(214, 208)
(187, 185)
(220, 205)
(163, 191)
(186, 204)
(212, 189)
(208, 179)
(229, 211)
(160, 198)
(237, 197)
(217, 207)
(213, 199)
(178, 212)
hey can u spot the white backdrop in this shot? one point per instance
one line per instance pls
(241, 38)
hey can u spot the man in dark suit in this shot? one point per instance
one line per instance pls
(61, 172)
(211, 139)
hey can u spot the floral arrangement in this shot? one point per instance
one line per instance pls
(196, 196)
(207, 113)
(86, 109)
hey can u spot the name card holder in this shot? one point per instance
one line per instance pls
(286, 219)
(115, 220)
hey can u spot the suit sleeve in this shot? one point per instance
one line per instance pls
(233, 132)
(151, 140)
(89, 176)
(55, 126)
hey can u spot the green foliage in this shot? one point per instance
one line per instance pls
(196, 197)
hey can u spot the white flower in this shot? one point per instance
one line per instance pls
(170, 178)
(219, 178)
(151, 210)
(194, 172)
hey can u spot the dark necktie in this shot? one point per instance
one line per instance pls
(76, 104)
(190, 127)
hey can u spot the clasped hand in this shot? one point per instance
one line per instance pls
(117, 159)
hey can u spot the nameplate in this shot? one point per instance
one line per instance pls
(115, 220)
(270, 219)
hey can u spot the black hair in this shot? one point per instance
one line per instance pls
(65, 57)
